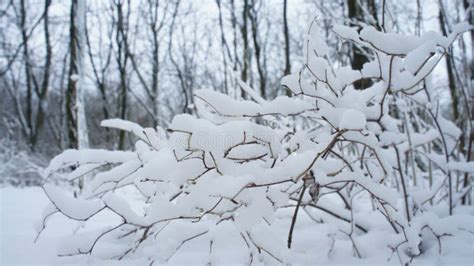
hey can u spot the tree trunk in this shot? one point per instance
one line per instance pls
(450, 72)
(122, 60)
(286, 33)
(244, 32)
(42, 95)
(75, 109)
(257, 48)
(29, 88)
(358, 57)
(470, 140)
(224, 45)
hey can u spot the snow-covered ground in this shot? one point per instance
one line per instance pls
(21, 211)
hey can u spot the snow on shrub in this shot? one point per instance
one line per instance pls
(251, 169)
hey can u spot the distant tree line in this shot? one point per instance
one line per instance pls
(67, 65)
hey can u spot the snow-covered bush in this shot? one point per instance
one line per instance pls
(18, 167)
(373, 166)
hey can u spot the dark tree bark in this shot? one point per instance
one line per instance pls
(99, 70)
(470, 139)
(43, 92)
(234, 31)
(450, 72)
(286, 33)
(372, 7)
(121, 38)
(75, 110)
(358, 58)
(224, 46)
(155, 28)
(245, 41)
(71, 92)
(28, 74)
(253, 15)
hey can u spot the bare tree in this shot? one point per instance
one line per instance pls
(122, 58)
(32, 120)
(225, 48)
(286, 33)
(101, 62)
(186, 43)
(245, 43)
(75, 109)
(254, 21)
